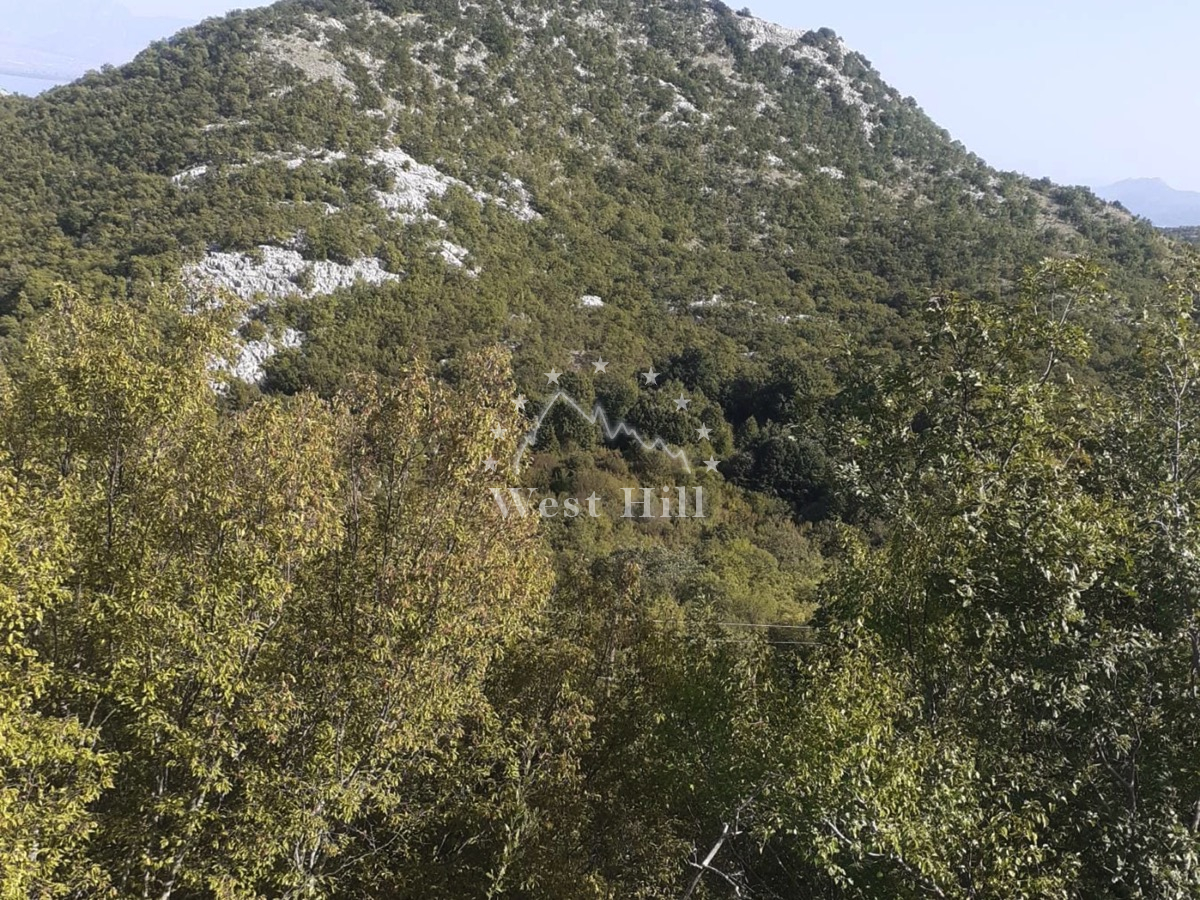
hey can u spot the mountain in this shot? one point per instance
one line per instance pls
(934, 637)
(492, 164)
(1155, 200)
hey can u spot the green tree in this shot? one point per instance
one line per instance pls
(279, 622)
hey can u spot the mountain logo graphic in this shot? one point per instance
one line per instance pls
(611, 431)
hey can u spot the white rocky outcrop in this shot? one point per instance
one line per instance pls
(323, 157)
(189, 174)
(522, 208)
(760, 33)
(453, 254)
(312, 56)
(282, 273)
(291, 160)
(217, 126)
(254, 354)
(416, 182)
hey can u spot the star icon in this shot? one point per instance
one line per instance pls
(499, 432)
(490, 464)
(520, 402)
(651, 376)
(704, 431)
(552, 376)
(601, 366)
(712, 464)
(681, 402)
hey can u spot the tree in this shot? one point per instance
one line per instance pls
(279, 621)
(51, 768)
(1020, 591)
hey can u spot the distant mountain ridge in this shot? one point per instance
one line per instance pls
(1154, 199)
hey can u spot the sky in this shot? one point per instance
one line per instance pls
(1081, 91)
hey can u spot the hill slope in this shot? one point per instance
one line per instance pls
(936, 638)
(490, 165)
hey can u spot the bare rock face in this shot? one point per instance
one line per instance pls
(760, 32)
(254, 354)
(273, 273)
(415, 183)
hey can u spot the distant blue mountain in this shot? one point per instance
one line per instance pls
(86, 35)
(1154, 199)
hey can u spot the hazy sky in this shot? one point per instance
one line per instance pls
(1084, 91)
(183, 9)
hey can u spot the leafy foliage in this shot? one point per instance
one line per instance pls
(936, 637)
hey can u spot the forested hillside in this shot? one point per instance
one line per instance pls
(1189, 235)
(507, 160)
(282, 298)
